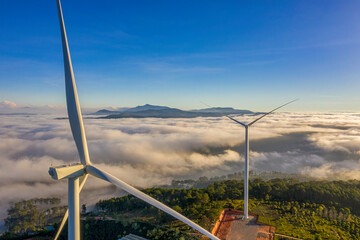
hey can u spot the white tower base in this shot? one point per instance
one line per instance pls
(74, 209)
(246, 173)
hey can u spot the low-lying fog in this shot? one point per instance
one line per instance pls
(148, 152)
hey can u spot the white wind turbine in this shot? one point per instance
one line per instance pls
(246, 175)
(77, 173)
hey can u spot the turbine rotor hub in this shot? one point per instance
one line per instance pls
(67, 171)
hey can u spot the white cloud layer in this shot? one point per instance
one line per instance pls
(148, 152)
(7, 104)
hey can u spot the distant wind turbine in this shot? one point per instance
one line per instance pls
(77, 173)
(246, 177)
(247, 153)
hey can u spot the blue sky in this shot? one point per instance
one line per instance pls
(245, 54)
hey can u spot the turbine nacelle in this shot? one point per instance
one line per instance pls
(67, 171)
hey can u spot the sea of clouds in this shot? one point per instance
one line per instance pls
(150, 152)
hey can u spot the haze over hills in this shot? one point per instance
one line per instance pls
(148, 110)
(323, 145)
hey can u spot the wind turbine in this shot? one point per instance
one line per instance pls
(77, 173)
(246, 177)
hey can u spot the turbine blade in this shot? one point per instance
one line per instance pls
(206, 104)
(126, 187)
(223, 114)
(73, 106)
(63, 221)
(236, 120)
(271, 112)
(66, 215)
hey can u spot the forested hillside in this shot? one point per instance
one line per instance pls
(308, 210)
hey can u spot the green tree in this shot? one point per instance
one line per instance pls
(83, 209)
(22, 217)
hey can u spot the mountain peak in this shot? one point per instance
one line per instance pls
(147, 107)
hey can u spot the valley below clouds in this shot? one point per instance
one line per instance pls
(151, 151)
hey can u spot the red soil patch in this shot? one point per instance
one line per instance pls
(227, 218)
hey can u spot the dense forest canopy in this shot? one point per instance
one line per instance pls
(308, 210)
(320, 208)
(339, 194)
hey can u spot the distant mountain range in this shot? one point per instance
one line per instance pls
(152, 111)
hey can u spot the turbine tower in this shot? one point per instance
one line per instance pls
(77, 173)
(246, 175)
